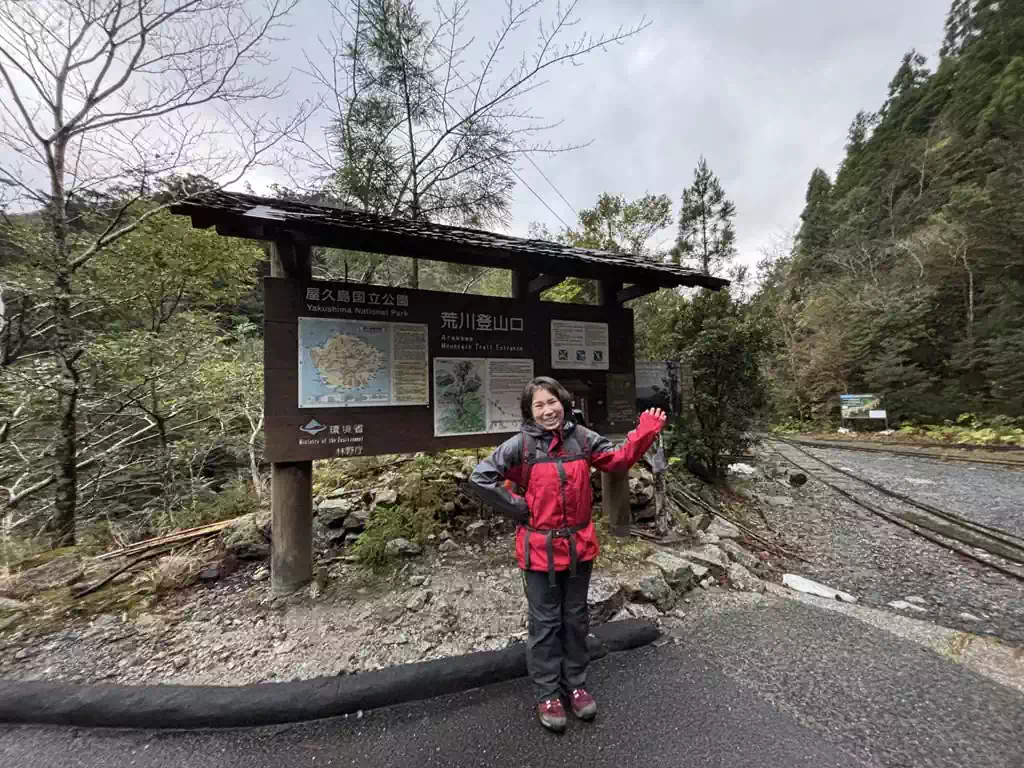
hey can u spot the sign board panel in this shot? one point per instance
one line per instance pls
(359, 370)
(659, 384)
(876, 415)
(860, 406)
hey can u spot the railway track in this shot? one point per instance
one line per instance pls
(917, 454)
(992, 547)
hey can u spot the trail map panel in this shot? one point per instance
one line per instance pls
(359, 370)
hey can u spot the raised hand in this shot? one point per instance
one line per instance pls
(657, 413)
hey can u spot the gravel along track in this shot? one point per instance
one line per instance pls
(858, 551)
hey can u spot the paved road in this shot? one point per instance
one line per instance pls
(770, 684)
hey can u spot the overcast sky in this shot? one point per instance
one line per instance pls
(764, 89)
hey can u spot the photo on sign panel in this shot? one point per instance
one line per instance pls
(460, 407)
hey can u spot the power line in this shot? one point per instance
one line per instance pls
(543, 202)
(549, 181)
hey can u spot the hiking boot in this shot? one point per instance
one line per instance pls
(552, 714)
(583, 704)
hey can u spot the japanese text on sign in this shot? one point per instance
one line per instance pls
(473, 321)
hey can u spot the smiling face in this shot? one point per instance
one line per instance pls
(547, 409)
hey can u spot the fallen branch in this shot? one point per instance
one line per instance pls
(127, 567)
(180, 537)
(687, 496)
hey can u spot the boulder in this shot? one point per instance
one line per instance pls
(640, 493)
(710, 556)
(680, 574)
(357, 519)
(723, 529)
(651, 589)
(738, 554)
(332, 513)
(246, 540)
(478, 532)
(606, 598)
(386, 496)
(449, 546)
(742, 579)
(401, 546)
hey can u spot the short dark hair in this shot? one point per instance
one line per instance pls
(552, 386)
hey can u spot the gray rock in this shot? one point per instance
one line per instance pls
(679, 573)
(478, 532)
(903, 605)
(146, 620)
(386, 496)
(448, 546)
(210, 574)
(389, 614)
(742, 579)
(643, 611)
(640, 493)
(419, 601)
(7, 604)
(606, 598)
(703, 537)
(334, 503)
(651, 589)
(401, 546)
(782, 502)
(106, 620)
(417, 580)
(23, 654)
(916, 599)
(245, 539)
(969, 616)
(357, 519)
(738, 554)
(262, 574)
(710, 556)
(723, 529)
(283, 649)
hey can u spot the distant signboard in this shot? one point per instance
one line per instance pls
(861, 407)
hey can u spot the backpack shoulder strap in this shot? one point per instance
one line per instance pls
(528, 449)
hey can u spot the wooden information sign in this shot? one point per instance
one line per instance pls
(360, 370)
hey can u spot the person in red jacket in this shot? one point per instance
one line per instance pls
(550, 459)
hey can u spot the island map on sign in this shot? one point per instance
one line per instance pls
(343, 363)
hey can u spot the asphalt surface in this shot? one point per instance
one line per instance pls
(752, 683)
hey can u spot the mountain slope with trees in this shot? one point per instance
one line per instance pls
(907, 276)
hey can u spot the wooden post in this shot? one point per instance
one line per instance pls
(614, 485)
(291, 483)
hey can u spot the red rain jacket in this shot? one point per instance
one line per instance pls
(558, 494)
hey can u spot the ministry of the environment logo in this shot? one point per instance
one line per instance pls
(313, 427)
